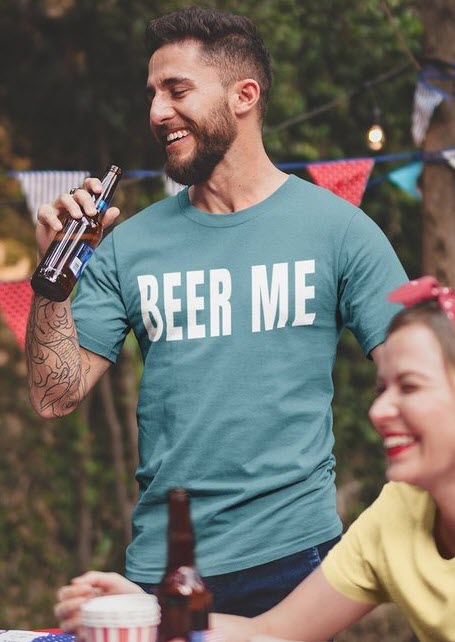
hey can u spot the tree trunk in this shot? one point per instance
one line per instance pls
(438, 181)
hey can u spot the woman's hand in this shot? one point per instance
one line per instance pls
(70, 598)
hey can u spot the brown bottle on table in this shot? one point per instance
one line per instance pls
(62, 265)
(183, 597)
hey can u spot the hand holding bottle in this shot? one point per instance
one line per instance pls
(75, 236)
(52, 215)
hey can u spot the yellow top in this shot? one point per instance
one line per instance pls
(389, 555)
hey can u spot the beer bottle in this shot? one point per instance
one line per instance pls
(62, 265)
(183, 597)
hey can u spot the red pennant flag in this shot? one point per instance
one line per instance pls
(15, 301)
(346, 178)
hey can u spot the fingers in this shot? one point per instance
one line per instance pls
(69, 601)
(110, 216)
(76, 589)
(70, 609)
(70, 598)
(107, 583)
(51, 216)
(94, 583)
(48, 217)
(77, 204)
(72, 625)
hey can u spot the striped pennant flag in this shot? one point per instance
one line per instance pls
(44, 186)
(426, 99)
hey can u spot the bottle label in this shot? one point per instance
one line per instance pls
(78, 263)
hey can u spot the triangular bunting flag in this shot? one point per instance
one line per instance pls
(347, 179)
(406, 178)
(426, 99)
(449, 155)
(15, 301)
(171, 187)
(44, 186)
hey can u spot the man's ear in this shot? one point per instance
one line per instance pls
(246, 95)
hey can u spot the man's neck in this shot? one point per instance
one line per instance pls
(245, 177)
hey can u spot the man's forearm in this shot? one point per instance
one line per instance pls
(57, 368)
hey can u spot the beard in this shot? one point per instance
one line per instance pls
(213, 138)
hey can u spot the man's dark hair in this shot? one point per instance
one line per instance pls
(229, 42)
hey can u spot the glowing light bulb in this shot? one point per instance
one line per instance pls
(375, 137)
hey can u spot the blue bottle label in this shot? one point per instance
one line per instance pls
(79, 261)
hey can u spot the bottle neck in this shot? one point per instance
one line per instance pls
(180, 550)
(180, 540)
(109, 182)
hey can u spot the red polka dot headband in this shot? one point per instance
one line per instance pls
(427, 288)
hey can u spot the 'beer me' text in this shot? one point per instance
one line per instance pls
(271, 301)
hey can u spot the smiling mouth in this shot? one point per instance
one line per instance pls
(176, 136)
(396, 444)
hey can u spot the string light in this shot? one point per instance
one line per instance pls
(375, 136)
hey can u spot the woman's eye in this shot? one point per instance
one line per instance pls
(408, 387)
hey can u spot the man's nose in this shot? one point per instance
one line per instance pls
(160, 110)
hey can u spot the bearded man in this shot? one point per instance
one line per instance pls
(237, 290)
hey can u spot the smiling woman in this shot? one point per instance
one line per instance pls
(414, 412)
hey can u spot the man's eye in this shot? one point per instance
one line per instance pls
(178, 93)
(408, 387)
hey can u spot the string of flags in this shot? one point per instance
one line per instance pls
(348, 178)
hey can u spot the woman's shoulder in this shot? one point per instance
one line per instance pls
(398, 499)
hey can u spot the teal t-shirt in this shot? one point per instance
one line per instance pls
(238, 317)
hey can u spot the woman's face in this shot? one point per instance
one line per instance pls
(415, 410)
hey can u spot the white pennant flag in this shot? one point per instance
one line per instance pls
(449, 155)
(44, 186)
(171, 187)
(425, 102)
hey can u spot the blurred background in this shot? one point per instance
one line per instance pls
(72, 98)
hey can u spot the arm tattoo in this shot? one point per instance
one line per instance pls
(57, 371)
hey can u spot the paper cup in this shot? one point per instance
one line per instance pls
(121, 618)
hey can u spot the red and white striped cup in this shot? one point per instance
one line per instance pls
(121, 618)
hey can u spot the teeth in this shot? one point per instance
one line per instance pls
(397, 440)
(181, 133)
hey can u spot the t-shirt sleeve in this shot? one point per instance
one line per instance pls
(98, 308)
(369, 269)
(354, 567)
